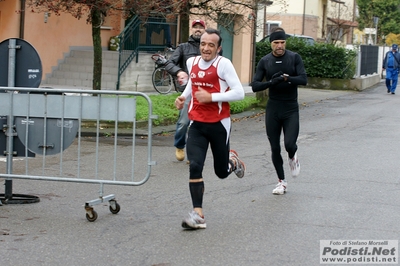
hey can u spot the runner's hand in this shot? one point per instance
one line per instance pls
(277, 74)
(179, 102)
(203, 96)
(277, 80)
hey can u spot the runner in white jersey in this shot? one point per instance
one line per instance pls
(213, 84)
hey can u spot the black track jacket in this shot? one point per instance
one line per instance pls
(183, 52)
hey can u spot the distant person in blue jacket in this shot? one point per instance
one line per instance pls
(391, 64)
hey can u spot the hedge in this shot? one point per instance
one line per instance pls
(321, 60)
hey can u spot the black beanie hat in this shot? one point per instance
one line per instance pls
(277, 35)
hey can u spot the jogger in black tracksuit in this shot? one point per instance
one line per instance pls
(283, 71)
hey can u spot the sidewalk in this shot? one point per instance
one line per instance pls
(347, 147)
(306, 96)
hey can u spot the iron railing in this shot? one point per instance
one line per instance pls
(143, 34)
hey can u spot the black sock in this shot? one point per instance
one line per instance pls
(197, 191)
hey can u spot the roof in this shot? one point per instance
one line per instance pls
(308, 39)
(343, 22)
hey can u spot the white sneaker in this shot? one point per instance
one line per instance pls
(280, 188)
(294, 165)
(194, 221)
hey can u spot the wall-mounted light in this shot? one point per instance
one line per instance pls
(251, 16)
(46, 16)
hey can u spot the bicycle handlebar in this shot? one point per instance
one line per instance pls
(159, 59)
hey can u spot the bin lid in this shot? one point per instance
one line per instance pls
(28, 67)
(46, 136)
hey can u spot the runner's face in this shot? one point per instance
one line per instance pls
(197, 30)
(209, 46)
(278, 47)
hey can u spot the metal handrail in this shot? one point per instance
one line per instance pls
(129, 43)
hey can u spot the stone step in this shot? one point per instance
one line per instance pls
(87, 61)
(79, 83)
(107, 55)
(85, 79)
(82, 75)
(77, 70)
(86, 68)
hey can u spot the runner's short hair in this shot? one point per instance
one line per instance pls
(215, 31)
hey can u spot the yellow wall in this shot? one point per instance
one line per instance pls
(242, 55)
(9, 18)
(52, 39)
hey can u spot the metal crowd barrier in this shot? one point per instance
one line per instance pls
(60, 135)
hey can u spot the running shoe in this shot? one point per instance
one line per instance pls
(280, 188)
(194, 221)
(240, 167)
(294, 165)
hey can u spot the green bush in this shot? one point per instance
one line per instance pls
(164, 108)
(320, 60)
(243, 105)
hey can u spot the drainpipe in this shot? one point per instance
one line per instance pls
(255, 10)
(304, 16)
(22, 20)
(253, 43)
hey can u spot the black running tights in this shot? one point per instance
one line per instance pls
(282, 116)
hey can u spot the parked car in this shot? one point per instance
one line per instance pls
(308, 39)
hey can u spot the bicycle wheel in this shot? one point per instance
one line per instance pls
(162, 80)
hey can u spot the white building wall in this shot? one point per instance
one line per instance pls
(308, 17)
(296, 16)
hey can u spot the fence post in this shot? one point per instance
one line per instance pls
(359, 63)
(9, 135)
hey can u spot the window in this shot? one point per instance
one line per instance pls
(270, 26)
(334, 33)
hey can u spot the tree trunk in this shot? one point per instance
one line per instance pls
(262, 96)
(97, 50)
(185, 27)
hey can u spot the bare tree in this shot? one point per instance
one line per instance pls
(338, 22)
(233, 15)
(94, 11)
(223, 12)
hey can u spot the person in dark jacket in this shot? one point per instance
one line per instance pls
(283, 71)
(391, 64)
(176, 66)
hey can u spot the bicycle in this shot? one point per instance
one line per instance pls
(161, 79)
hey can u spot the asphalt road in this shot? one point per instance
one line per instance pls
(348, 189)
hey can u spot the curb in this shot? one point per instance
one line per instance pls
(306, 96)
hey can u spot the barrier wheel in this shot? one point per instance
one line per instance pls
(114, 209)
(92, 216)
